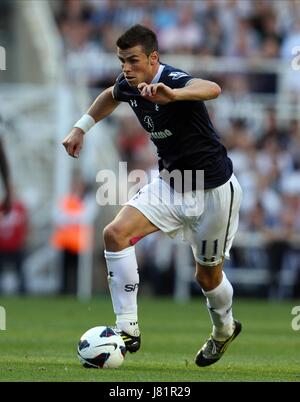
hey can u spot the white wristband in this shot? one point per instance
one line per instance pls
(85, 123)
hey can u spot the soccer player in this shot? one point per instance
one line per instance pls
(169, 104)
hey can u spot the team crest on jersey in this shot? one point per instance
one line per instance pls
(177, 74)
(149, 123)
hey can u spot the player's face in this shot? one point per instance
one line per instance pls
(137, 66)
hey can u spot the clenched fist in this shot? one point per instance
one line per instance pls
(74, 142)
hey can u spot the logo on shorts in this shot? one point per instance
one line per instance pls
(137, 195)
(149, 123)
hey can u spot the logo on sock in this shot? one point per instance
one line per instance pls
(131, 287)
(229, 309)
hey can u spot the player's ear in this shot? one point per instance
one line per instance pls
(154, 57)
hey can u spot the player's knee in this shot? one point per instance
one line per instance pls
(114, 236)
(208, 279)
(206, 282)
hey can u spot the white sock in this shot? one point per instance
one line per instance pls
(123, 281)
(219, 302)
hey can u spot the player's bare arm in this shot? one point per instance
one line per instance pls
(196, 89)
(103, 105)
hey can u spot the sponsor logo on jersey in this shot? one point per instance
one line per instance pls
(177, 74)
(161, 134)
(155, 134)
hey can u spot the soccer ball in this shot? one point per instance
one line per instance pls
(101, 347)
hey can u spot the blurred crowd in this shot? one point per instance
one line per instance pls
(268, 168)
(231, 28)
(265, 151)
(266, 155)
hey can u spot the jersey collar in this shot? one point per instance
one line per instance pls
(158, 74)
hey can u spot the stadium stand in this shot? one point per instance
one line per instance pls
(246, 46)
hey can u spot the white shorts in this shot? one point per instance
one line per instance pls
(211, 232)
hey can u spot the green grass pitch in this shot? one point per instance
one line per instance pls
(41, 336)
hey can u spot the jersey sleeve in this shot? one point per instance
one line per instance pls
(117, 89)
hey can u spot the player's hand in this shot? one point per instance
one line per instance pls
(157, 93)
(73, 142)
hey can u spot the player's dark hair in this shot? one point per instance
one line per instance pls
(138, 35)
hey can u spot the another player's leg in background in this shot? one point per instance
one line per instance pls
(123, 277)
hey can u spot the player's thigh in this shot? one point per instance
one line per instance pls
(130, 222)
(155, 202)
(211, 237)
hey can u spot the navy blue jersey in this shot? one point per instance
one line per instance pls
(182, 131)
